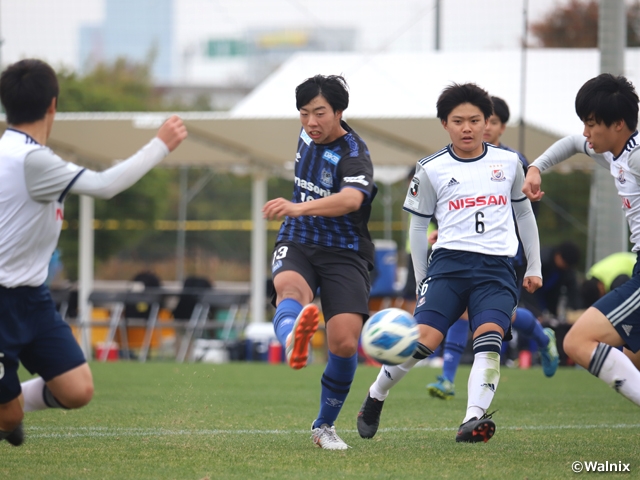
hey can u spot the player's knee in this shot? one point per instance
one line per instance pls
(569, 344)
(344, 347)
(78, 397)
(430, 337)
(84, 396)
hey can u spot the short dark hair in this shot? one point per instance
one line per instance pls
(619, 281)
(500, 109)
(590, 292)
(333, 88)
(608, 99)
(457, 94)
(27, 88)
(570, 253)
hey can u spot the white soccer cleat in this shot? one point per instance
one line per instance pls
(326, 437)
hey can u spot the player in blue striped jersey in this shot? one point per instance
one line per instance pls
(324, 243)
(608, 107)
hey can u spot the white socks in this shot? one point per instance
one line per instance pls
(33, 392)
(390, 375)
(483, 383)
(616, 370)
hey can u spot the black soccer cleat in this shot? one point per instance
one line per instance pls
(16, 437)
(369, 416)
(477, 430)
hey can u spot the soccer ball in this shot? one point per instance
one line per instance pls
(390, 336)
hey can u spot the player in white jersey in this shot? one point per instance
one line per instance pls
(470, 187)
(608, 107)
(33, 185)
(524, 321)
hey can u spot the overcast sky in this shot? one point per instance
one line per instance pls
(48, 29)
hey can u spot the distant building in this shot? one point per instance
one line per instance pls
(140, 30)
(221, 70)
(243, 62)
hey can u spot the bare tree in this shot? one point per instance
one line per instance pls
(575, 25)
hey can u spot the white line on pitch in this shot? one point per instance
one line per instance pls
(74, 432)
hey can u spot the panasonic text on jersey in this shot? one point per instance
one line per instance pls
(312, 187)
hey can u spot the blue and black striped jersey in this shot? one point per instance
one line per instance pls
(322, 170)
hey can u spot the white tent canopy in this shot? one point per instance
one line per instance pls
(392, 107)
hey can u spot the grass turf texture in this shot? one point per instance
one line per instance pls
(252, 420)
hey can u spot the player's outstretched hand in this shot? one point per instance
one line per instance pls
(531, 187)
(279, 207)
(172, 132)
(531, 284)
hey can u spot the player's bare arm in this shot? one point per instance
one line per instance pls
(346, 201)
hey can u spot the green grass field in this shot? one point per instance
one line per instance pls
(251, 420)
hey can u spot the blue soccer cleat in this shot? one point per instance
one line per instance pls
(443, 389)
(549, 356)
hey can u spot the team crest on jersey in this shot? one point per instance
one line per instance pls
(620, 177)
(497, 175)
(413, 189)
(326, 178)
(626, 203)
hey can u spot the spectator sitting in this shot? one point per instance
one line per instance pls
(606, 275)
(559, 276)
(191, 290)
(141, 309)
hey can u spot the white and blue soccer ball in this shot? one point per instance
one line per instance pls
(390, 336)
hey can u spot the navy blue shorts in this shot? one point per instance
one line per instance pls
(622, 307)
(342, 276)
(32, 332)
(459, 280)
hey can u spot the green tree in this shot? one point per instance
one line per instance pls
(224, 197)
(564, 210)
(121, 86)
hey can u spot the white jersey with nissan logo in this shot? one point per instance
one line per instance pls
(470, 198)
(625, 170)
(29, 226)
